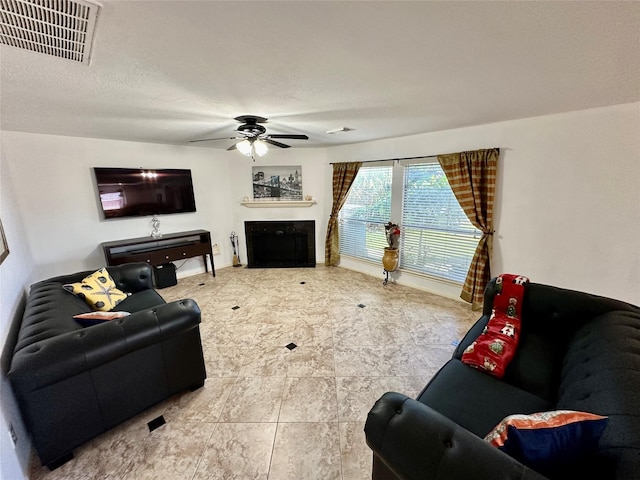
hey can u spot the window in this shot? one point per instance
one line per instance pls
(437, 238)
(365, 212)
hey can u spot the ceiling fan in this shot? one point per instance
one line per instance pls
(254, 137)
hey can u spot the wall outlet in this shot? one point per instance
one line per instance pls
(12, 434)
(216, 249)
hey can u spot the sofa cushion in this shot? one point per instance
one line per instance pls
(536, 366)
(547, 441)
(141, 301)
(457, 391)
(98, 290)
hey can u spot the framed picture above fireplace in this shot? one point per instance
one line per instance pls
(277, 182)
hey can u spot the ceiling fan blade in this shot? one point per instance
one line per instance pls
(212, 139)
(291, 136)
(232, 147)
(277, 144)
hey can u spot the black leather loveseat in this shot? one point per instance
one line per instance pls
(73, 383)
(577, 352)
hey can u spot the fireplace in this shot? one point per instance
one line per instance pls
(281, 244)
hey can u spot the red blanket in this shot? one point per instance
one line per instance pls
(495, 347)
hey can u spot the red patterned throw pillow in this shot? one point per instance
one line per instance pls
(94, 318)
(496, 345)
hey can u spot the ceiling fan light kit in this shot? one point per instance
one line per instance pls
(254, 137)
(244, 147)
(250, 148)
(260, 148)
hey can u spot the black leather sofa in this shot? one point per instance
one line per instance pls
(73, 383)
(576, 352)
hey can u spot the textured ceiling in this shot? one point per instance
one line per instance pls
(174, 71)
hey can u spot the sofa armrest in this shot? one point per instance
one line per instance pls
(472, 334)
(51, 360)
(415, 442)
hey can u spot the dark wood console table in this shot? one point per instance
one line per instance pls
(158, 251)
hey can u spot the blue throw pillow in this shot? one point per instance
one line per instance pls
(547, 441)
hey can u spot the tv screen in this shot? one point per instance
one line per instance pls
(135, 192)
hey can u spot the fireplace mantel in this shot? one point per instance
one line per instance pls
(277, 203)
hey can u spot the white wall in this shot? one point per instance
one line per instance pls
(568, 195)
(15, 272)
(314, 181)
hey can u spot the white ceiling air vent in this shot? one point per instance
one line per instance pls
(62, 28)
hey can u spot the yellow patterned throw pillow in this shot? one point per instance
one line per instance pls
(98, 290)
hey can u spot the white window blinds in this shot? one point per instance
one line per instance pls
(437, 238)
(365, 212)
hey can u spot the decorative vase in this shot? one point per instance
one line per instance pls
(390, 259)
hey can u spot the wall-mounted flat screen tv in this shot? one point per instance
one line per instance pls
(135, 192)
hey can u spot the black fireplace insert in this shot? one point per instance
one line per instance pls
(280, 244)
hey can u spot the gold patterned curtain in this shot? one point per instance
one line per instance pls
(472, 177)
(343, 176)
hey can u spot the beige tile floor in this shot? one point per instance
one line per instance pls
(267, 412)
